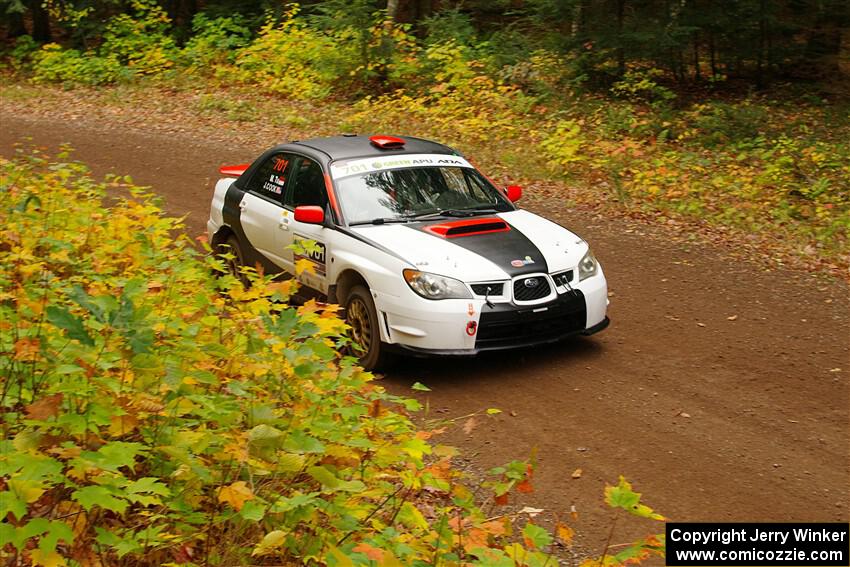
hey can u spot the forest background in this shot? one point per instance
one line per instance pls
(730, 114)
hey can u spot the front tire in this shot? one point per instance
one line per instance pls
(361, 316)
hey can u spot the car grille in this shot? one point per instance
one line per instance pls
(563, 279)
(495, 288)
(507, 328)
(524, 290)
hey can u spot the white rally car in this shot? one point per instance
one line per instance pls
(424, 253)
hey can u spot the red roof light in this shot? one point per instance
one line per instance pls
(387, 142)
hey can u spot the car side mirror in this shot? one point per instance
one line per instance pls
(514, 193)
(310, 214)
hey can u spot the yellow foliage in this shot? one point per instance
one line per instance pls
(236, 494)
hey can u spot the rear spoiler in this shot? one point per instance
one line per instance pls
(233, 170)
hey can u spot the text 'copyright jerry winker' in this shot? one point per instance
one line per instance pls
(764, 545)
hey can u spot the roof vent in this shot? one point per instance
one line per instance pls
(387, 142)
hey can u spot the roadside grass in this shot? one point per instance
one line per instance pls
(21, 91)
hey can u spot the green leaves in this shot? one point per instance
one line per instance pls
(332, 483)
(147, 491)
(112, 456)
(536, 537)
(270, 542)
(324, 476)
(265, 435)
(10, 503)
(300, 442)
(50, 533)
(101, 496)
(253, 511)
(622, 496)
(63, 319)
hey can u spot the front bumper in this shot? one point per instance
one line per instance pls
(443, 327)
(423, 352)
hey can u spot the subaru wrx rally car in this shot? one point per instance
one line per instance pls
(424, 253)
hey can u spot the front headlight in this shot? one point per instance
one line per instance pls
(588, 266)
(432, 286)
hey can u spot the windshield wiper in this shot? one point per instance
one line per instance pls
(455, 213)
(428, 215)
(380, 220)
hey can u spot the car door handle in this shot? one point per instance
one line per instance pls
(243, 205)
(282, 225)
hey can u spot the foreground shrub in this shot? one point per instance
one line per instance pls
(153, 413)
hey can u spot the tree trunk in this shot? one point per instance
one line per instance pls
(823, 46)
(15, 26)
(712, 54)
(575, 25)
(697, 75)
(392, 10)
(762, 42)
(422, 9)
(621, 51)
(40, 22)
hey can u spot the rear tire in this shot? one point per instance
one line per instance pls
(234, 264)
(361, 316)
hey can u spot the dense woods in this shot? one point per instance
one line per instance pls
(750, 42)
(730, 112)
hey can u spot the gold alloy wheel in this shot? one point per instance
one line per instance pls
(358, 319)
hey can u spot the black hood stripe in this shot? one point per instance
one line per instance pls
(503, 248)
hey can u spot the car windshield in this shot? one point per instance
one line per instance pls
(396, 195)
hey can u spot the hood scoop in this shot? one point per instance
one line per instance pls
(467, 227)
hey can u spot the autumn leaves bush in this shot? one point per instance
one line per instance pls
(153, 413)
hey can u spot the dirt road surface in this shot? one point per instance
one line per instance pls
(720, 389)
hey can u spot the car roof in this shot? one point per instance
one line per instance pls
(349, 146)
(344, 147)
